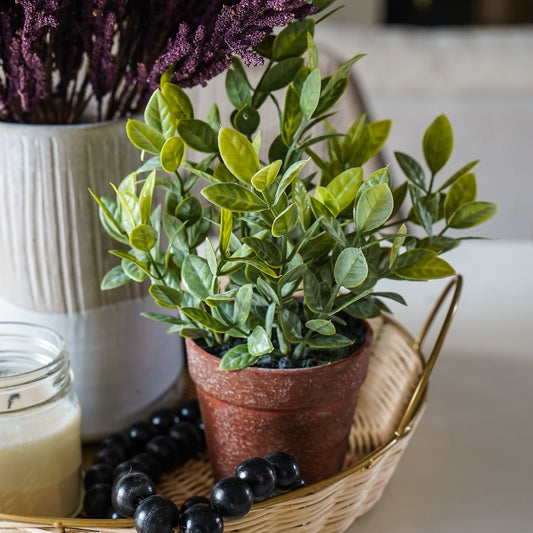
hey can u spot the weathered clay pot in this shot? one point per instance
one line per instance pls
(305, 412)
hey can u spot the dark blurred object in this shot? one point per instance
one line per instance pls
(459, 12)
(430, 12)
(504, 12)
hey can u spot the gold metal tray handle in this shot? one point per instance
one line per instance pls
(418, 394)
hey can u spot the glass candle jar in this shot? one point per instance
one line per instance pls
(40, 446)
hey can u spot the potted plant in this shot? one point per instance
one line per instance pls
(70, 72)
(271, 271)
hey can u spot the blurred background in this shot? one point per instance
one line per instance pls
(469, 59)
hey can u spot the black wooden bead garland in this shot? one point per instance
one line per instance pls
(121, 482)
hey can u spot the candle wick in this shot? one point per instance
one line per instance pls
(12, 398)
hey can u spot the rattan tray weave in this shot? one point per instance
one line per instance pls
(390, 406)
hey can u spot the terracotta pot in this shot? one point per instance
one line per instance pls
(305, 412)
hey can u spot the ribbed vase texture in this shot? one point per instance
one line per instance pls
(54, 253)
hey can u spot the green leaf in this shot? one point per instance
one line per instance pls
(459, 173)
(196, 274)
(292, 115)
(288, 177)
(211, 257)
(471, 214)
(220, 298)
(342, 71)
(159, 115)
(351, 268)
(166, 296)
(429, 266)
(133, 271)
(259, 342)
(312, 293)
(144, 137)
(292, 40)
(237, 89)
(462, 191)
(312, 52)
(213, 117)
(116, 277)
(285, 221)
(205, 319)
(291, 326)
(265, 250)
(238, 154)
(281, 74)
(418, 263)
(198, 134)
(189, 210)
(330, 96)
(326, 198)
(192, 333)
(370, 141)
(381, 175)
(412, 169)
(172, 154)
(246, 120)
(264, 177)
(397, 244)
(131, 259)
(294, 275)
(143, 237)
(301, 199)
(233, 197)
(267, 291)
(333, 228)
(236, 358)
(177, 99)
(319, 325)
(243, 304)
(374, 207)
(438, 143)
(310, 94)
(329, 341)
(226, 228)
(161, 317)
(344, 187)
(145, 197)
(421, 209)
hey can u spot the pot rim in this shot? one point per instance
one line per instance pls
(288, 371)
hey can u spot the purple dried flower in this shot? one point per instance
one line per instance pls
(56, 56)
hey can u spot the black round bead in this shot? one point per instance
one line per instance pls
(260, 476)
(129, 490)
(151, 464)
(232, 497)
(120, 440)
(96, 500)
(187, 439)
(201, 518)
(193, 500)
(98, 473)
(156, 514)
(165, 451)
(162, 419)
(189, 410)
(140, 434)
(287, 470)
(112, 455)
(130, 465)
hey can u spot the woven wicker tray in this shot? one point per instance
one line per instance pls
(390, 406)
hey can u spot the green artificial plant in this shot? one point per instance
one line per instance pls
(288, 238)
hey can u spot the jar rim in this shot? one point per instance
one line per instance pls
(53, 357)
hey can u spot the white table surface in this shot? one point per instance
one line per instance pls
(469, 466)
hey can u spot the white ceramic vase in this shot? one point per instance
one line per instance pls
(53, 255)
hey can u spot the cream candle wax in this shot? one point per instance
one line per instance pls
(40, 448)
